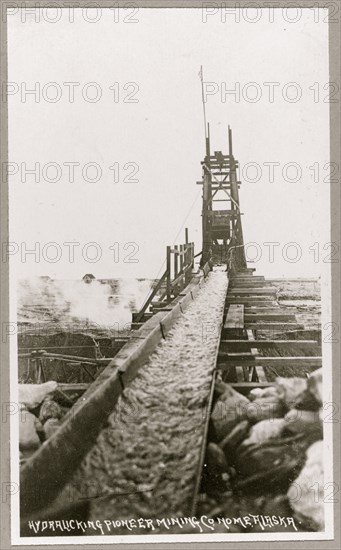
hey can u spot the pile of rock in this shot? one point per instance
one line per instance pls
(269, 443)
(40, 415)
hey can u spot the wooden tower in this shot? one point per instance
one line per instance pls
(222, 234)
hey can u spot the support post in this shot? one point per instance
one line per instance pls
(168, 268)
(208, 140)
(176, 254)
(181, 257)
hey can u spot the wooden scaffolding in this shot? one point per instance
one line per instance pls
(222, 235)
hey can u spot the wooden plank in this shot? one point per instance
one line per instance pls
(252, 291)
(271, 325)
(147, 316)
(239, 354)
(235, 316)
(254, 317)
(248, 278)
(168, 274)
(305, 334)
(262, 300)
(181, 276)
(251, 301)
(245, 278)
(139, 315)
(260, 372)
(240, 374)
(248, 371)
(247, 344)
(136, 326)
(226, 362)
(265, 309)
(202, 454)
(250, 337)
(297, 280)
(248, 284)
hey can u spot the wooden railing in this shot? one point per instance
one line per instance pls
(178, 273)
(180, 263)
(43, 366)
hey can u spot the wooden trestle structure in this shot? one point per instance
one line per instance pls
(252, 320)
(222, 233)
(251, 305)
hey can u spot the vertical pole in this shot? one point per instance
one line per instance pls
(237, 231)
(187, 256)
(176, 269)
(181, 263)
(206, 196)
(38, 371)
(201, 74)
(35, 370)
(168, 267)
(230, 141)
(186, 235)
(181, 257)
(176, 254)
(208, 152)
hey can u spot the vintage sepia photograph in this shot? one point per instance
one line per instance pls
(170, 273)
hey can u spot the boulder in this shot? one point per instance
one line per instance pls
(306, 401)
(231, 442)
(228, 411)
(315, 386)
(260, 393)
(220, 387)
(50, 409)
(306, 494)
(265, 408)
(28, 436)
(264, 430)
(271, 465)
(215, 458)
(32, 395)
(298, 421)
(289, 389)
(51, 426)
(215, 474)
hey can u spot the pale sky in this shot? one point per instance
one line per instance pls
(162, 133)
